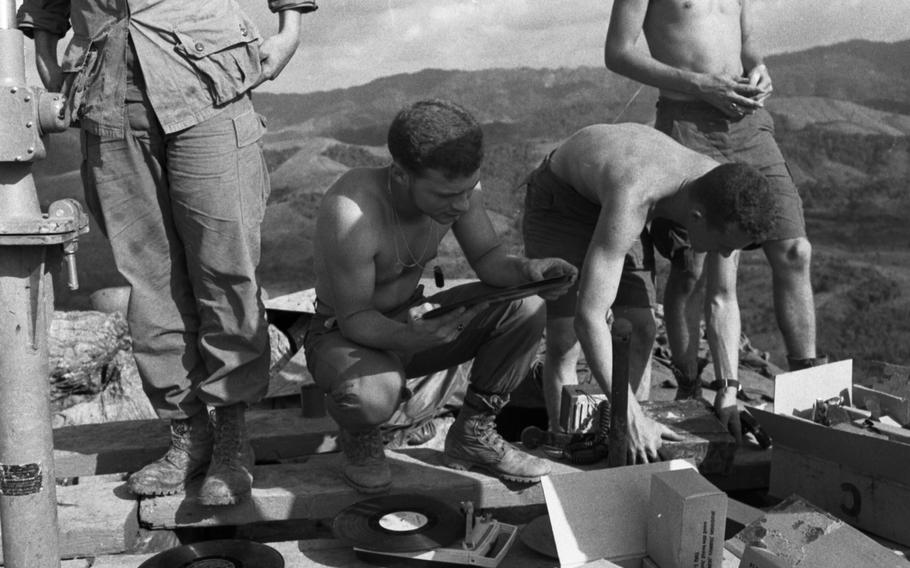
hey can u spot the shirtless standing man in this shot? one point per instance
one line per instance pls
(712, 85)
(588, 203)
(377, 228)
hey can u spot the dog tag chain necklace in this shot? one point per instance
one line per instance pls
(415, 259)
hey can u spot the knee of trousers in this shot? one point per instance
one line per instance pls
(367, 401)
(529, 313)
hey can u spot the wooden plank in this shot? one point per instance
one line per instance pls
(315, 490)
(873, 503)
(126, 446)
(96, 518)
(864, 454)
(331, 553)
(804, 535)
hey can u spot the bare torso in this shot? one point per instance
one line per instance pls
(632, 165)
(697, 35)
(399, 248)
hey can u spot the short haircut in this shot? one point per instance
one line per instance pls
(738, 194)
(436, 134)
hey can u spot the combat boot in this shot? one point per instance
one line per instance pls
(473, 441)
(230, 476)
(365, 468)
(186, 458)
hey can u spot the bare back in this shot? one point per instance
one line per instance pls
(704, 36)
(628, 164)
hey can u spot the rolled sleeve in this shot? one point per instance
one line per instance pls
(299, 5)
(51, 16)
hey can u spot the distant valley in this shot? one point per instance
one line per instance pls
(843, 119)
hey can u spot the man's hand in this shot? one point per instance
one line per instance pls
(437, 331)
(728, 412)
(541, 268)
(275, 53)
(734, 96)
(646, 436)
(759, 78)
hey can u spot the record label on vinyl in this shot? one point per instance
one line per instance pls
(399, 523)
(403, 521)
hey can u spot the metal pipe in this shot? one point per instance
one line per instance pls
(621, 333)
(7, 14)
(28, 505)
(28, 496)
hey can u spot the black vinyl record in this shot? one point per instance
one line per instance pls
(226, 553)
(399, 523)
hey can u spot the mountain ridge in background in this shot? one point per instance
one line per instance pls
(842, 114)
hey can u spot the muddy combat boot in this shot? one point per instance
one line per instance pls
(230, 475)
(186, 458)
(365, 467)
(474, 442)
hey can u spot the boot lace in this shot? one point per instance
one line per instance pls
(485, 430)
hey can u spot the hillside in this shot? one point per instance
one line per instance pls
(842, 114)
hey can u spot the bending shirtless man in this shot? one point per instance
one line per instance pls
(712, 88)
(589, 202)
(377, 229)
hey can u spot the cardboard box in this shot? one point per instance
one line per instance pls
(602, 513)
(686, 521)
(861, 479)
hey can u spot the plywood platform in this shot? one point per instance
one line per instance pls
(115, 447)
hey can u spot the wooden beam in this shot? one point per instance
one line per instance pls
(115, 447)
(96, 518)
(330, 553)
(871, 502)
(315, 490)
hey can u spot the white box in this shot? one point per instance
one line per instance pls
(686, 522)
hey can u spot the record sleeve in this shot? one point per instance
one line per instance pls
(493, 295)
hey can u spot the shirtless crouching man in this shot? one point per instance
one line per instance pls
(712, 85)
(376, 230)
(589, 202)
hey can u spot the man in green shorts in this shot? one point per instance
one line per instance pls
(590, 203)
(713, 84)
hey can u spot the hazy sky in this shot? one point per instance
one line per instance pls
(351, 42)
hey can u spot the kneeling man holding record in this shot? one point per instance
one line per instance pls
(373, 330)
